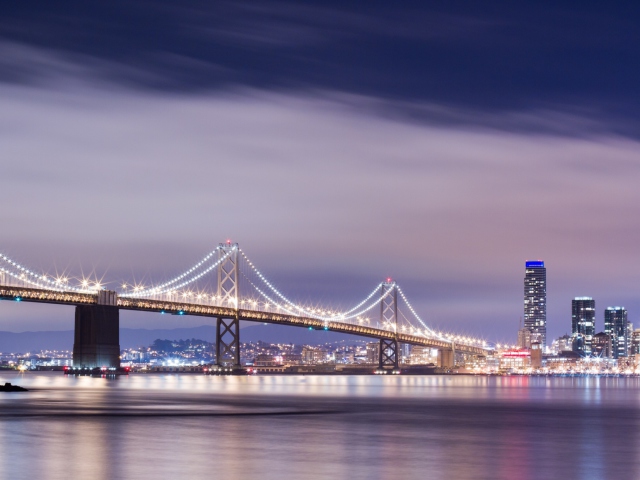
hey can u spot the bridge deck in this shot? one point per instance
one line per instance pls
(183, 308)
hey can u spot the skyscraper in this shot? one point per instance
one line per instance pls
(583, 323)
(615, 325)
(535, 301)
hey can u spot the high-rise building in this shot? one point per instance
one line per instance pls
(635, 342)
(616, 326)
(601, 345)
(583, 323)
(535, 301)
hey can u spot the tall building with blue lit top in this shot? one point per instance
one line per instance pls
(535, 301)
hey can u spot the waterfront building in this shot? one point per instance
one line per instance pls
(404, 350)
(373, 352)
(313, 355)
(291, 359)
(421, 355)
(535, 301)
(635, 342)
(577, 343)
(583, 323)
(344, 356)
(267, 360)
(536, 355)
(514, 359)
(564, 361)
(562, 344)
(524, 338)
(601, 345)
(616, 326)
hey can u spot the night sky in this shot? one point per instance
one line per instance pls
(440, 143)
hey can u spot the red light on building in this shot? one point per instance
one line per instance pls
(516, 353)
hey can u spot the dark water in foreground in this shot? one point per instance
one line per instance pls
(191, 427)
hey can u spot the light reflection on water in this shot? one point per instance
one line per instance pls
(299, 427)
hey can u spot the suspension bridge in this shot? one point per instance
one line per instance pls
(226, 285)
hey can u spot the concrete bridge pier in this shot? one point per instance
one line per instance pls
(446, 358)
(97, 333)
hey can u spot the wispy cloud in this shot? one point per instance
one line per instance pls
(513, 59)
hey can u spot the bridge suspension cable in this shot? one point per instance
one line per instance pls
(296, 310)
(266, 282)
(30, 277)
(160, 289)
(272, 295)
(415, 314)
(347, 315)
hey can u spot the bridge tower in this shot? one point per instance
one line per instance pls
(389, 347)
(228, 329)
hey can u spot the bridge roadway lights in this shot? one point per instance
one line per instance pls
(97, 337)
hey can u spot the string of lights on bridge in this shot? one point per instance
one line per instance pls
(161, 289)
(59, 284)
(317, 313)
(172, 288)
(320, 314)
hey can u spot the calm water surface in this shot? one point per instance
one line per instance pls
(304, 427)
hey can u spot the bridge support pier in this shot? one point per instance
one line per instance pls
(97, 336)
(446, 358)
(228, 342)
(389, 352)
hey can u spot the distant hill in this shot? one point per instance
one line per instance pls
(23, 342)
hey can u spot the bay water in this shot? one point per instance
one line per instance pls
(171, 426)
